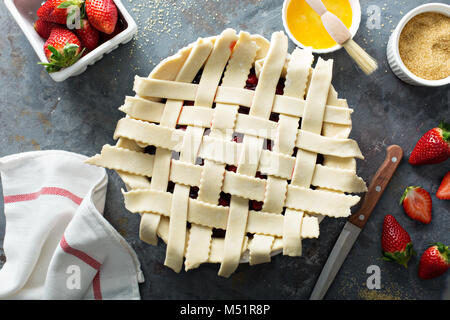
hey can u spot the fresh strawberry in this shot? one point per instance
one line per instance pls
(62, 49)
(120, 26)
(444, 189)
(435, 261)
(433, 147)
(59, 38)
(58, 11)
(417, 204)
(88, 35)
(102, 14)
(396, 242)
(44, 28)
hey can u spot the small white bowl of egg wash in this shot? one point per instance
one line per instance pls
(304, 26)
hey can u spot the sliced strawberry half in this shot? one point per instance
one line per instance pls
(417, 204)
(444, 189)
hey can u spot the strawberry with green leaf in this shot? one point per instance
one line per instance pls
(435, 261)
(396, 242)
(62, 49)
(417, 204)
(59, 11)
(433, 147)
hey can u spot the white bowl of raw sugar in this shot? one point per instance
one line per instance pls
(394, 57)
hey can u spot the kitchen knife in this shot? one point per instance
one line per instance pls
(357, 221)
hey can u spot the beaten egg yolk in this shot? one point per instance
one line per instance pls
(306, 26)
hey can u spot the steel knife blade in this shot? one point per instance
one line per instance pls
(357, 221)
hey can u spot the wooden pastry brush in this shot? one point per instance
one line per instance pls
(339, 32)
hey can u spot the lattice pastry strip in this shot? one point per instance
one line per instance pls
(271, 139)
(194, 61)
(261, 107)
(284, 143)
(209, 82)
(226, 95)
(297, 76)
(224, 120)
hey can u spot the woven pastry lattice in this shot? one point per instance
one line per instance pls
(233, 149)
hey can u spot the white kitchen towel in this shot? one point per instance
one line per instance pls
(57, 243)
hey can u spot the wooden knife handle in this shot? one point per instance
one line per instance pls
(377, 186)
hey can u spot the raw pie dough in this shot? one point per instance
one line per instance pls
(214, 139)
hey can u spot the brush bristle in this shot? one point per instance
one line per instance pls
(361, 57)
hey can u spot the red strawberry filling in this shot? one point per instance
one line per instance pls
(193, 192)
(444, 188)
(252, 81)
(280, 87)
(256, 205)
(232, 45)
(224, 199)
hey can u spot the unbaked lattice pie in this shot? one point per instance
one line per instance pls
(232, 150)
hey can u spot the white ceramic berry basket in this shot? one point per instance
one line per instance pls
(24, 12)
(393, 55)
(356, 20)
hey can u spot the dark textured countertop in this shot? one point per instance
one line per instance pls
(80, 115)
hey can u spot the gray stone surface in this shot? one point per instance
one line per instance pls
(80, 115)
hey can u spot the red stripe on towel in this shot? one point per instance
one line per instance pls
(79, 254)
(96, 287)
(88, 260)
(44, 191)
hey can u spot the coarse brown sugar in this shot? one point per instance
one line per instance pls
(424, 45)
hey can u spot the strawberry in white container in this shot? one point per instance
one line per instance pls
(38, 30)
(102, 14)
(62, 49)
